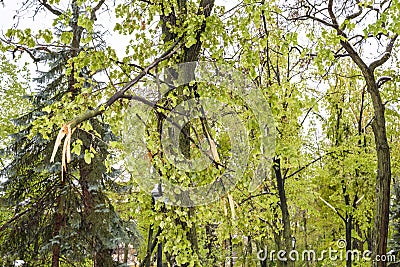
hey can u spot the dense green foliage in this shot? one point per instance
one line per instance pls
(71, 189)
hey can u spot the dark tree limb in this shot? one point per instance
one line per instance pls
(357, 13)
(386, 55)
(151, 247)
(50, 8)
(382, 80)
(95, 9)
(307, 165)
(332, 15)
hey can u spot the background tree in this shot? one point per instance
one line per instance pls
(341, 23)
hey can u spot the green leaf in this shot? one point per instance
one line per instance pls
(88, 157)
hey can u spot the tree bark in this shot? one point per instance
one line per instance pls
(383, 178)
(59, 220)
(287, 234)
(188, 55)
(349, 227)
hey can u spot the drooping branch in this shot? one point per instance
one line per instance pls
(16, 217)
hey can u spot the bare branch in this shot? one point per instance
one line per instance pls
(95, 9)
(307, 165)
(254, 196)
(382, 80)
(50, 8)
(305, 17)
(357, 13)
(29, 52)
(333, 208)
(171, 86)
(332, 15)
(386, 55)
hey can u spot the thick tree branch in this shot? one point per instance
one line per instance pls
(386, 55)
(357, 13)
(95, 9)
(354, 55)
(332, 14)
(382, 80)
(50, 8)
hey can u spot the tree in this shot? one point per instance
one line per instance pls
(61, 216)
(338, 20)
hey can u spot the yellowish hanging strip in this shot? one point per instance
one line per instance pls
(66, 152)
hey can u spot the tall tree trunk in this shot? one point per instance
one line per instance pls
(126, 253)
(349, 227)
(383, 178)
(147, 259)
(59, 220)
(159, 255)
(381, 224)
(188, 55)
(89, 175)
(287, 234)
(305, 235)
